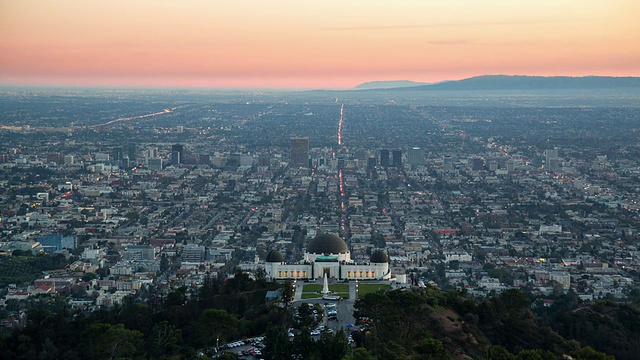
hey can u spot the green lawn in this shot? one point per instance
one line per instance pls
(364, 289)
(312, 288)
(332, 288)
(339, 288)
(312, 291)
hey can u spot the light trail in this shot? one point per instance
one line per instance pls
(340, 125)
(165, 111)
(343, 205)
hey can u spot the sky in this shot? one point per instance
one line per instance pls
(310, 43)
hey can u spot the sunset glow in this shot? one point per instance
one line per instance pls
(309, 44)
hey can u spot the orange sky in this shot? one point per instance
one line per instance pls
(310, 44)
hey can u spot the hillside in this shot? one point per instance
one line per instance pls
(388, 84)
(504, 82)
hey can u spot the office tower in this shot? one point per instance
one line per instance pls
(511, 166)
(4, 158)
(372, 162)
(205, 159)
(415, 156)
(101, 157)
(447, 162)
(68, 159)
(477, 164)
(125, 162)
(155, 164)
(177, 154)
(116, 154)
(55, 157)
(264, 160)
(384, 158)
(552, 162)
(132, 152)
(397, 158)
(152, 153)
(299, 153)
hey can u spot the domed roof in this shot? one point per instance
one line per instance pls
(274, 256)
(327, 244)
(379, 256)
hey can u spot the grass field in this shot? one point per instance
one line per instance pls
(318, 288)
(364, 289)
(312, 291)
(312, 288)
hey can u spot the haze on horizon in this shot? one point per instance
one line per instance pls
(305, 44)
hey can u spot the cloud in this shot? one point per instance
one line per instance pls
(444, 25)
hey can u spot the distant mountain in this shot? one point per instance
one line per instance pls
(517, 82)
(388, 84)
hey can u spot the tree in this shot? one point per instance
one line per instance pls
(277, 346)
(89, 276)
(432, 349)
(361, 354)
(498, 353)
(287, 293)
(217, 325)
(164, 338)
(587, 353)
(535, 354)
(106, 341)
(333, 346)
(303, 344)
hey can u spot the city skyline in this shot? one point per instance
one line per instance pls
(288, 44)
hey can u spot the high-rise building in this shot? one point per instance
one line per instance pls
(447, 162)
(552, 162)
(68, 159)
(299, 153)
(117, 153)
(477, 164)
(372, 162)
(415, 156)
(396, 158)
(155, 164)
(205, 159)
(132, 152)
(177, 154)
(55, 157)
(384, 158)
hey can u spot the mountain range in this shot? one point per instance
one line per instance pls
(508, 82)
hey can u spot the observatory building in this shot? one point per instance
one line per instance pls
(328, 254)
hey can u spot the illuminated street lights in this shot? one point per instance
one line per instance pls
(356, 289)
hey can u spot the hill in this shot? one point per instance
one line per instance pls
(388, 84)
(517, 82)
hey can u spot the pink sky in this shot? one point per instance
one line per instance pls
(310, 44)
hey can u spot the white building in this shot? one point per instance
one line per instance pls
(328, 254)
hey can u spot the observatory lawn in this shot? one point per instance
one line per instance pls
(313, 291)
(364, 289)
